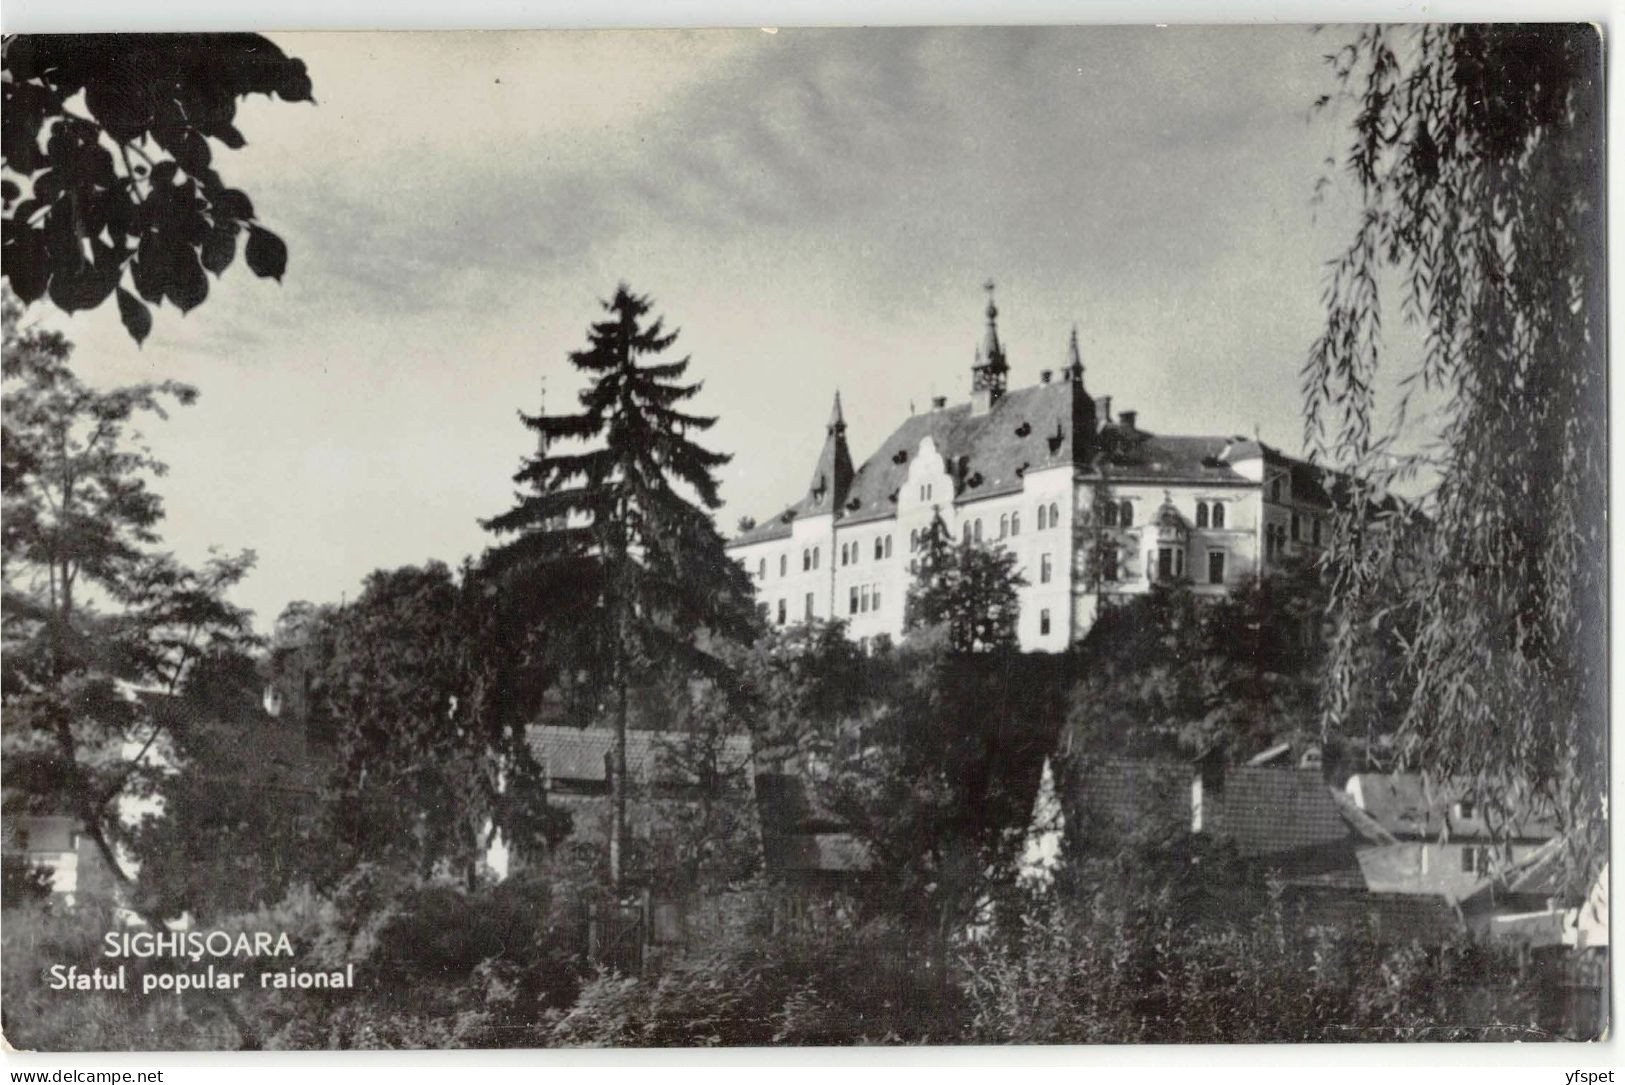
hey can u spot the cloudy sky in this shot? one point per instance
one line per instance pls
(816, 210)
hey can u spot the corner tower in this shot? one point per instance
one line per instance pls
(832, 478)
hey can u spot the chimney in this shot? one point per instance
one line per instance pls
(1127, 418)
(938, 402)
(1044, 376)
(1104, 403)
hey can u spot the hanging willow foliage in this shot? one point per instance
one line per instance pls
(1478, 159)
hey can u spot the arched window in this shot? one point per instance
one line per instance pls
(761, 569)
(815, 556)
(1125, 512)
(1004, 525)
(1218, 514)
(977, 534)
(1108, 515)
(1042, 514)
(806, 560)
(784, 564)
(913, 540)
(1054, 515)
(1015, 523)
(888, 546)
(966, 532)
(1201, 514)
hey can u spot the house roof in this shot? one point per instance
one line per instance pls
(1394, 917)
(1273, 812)
(1121, 793)
(577, 754)
(1409, 807)
(1134, 455)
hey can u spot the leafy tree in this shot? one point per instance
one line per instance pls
(1172, 673)
(1477, 155)
(90, 608)
(110, 167)
(966, 589)
(100, 629)
(607, 540)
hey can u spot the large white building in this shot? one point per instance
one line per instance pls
(1047, 472)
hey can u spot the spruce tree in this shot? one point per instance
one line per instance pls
(612, 545)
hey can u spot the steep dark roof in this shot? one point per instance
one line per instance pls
(1113, 795)
(1276, 811)
(1028, 429)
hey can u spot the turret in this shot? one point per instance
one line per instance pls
(832, 478)
(990, 372)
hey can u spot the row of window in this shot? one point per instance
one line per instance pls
(863, 599)
(852, 551)
(1210, 514)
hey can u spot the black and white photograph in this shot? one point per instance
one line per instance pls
(805, 537)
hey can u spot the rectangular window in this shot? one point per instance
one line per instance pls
(1314, 531)
(1043, 623)
(784, 564)
(852, 601)
(1108, 563)
(880, 548)
(1215, 566)
(1045, 569)
(1165, 563)
(809, 606)
(875, 602)
(1295, 527)
(783, 610)
(863, 599)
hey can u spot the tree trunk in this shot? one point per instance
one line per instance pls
(617, 793)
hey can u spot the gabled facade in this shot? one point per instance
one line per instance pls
(1047, 472)
(1437, 840)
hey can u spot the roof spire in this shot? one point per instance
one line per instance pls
(1074, 358)
(992, 352)
(989, 371)
(837, 420)
(832, 477)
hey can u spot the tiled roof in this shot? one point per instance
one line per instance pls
(577, 754)
(1390, 917)
(1275, 812)
(1138, 456)
(1028, 429)
(1116, 794)
(1406, 806)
